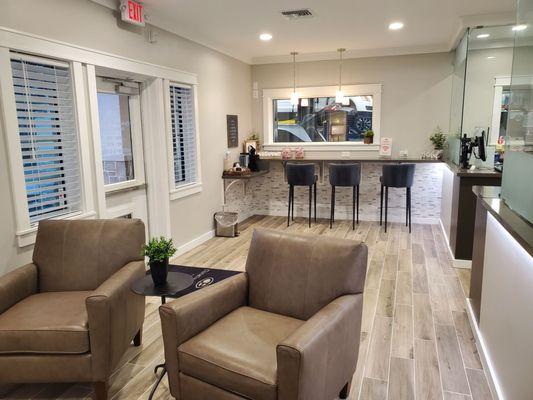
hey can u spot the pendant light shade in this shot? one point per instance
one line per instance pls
(339, 95)
(294, 95)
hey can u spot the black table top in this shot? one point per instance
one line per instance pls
(181, 280)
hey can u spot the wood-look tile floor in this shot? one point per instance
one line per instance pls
(416, 341)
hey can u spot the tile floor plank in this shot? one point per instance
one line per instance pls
(401, 379)
(450, 361)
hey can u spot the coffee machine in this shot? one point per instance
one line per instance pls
(468, 146)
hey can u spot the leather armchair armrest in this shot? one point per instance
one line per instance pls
(187, 316)
(115, 315)
(17, 285)
(319, 358)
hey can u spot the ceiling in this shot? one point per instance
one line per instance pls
(233, 26)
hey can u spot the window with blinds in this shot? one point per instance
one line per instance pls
(183, 134)
(48, 136)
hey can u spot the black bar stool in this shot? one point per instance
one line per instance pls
(300, 175)
(398, 176)
(345, 175)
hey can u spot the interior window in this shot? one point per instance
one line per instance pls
(48, 136)
(320, 119)
(115, 137)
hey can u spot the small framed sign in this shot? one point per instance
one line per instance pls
(385, 147)
(232, 123)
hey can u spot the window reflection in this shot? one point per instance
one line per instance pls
(320, 119)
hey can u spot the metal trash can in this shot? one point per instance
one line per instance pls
(226, 224)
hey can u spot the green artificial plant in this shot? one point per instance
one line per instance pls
(158, 249)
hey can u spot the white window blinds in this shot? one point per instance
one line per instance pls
(48, 136)
(183, 134)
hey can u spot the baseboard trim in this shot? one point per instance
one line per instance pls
(457, 263)
(194, 243)
(484, 354)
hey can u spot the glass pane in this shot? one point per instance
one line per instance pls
(115, 137)
(320, 119)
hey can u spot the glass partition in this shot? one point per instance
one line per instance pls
(517, 188)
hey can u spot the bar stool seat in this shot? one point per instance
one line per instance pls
(300, 175)
(345, 175)
(397, 176)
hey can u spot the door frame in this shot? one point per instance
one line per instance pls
(154, 136)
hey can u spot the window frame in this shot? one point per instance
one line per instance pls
(136, 141)
(25, 230)
(269, 95)
(181, 191)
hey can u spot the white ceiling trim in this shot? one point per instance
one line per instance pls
(465, 22)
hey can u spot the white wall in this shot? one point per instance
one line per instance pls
(224, 88)
(415, 95)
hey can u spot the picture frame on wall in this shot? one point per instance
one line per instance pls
(232, 124)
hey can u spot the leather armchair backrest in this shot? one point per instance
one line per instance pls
(81, 254)
(297, 275)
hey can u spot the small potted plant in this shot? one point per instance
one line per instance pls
(158, 251)
(368, 137)
(438, 138)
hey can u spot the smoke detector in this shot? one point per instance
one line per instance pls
(298, 14)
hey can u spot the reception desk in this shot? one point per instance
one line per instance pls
(501, 301)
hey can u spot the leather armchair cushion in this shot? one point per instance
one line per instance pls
(46, 323)
(238, 352)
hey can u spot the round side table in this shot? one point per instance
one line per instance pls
(176, 281)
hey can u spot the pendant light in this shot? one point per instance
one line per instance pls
(294, 95)
(339, 96)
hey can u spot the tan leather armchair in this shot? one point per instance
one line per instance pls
(286, 329)
(70, 315)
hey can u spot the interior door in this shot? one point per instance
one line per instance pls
(121, 143)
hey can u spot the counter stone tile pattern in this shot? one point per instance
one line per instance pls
(415, 341)
(268, 195)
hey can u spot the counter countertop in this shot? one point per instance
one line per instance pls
(517, 226)
(369, 160)
(475, 173)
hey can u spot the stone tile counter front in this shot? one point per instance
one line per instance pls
(268, 194)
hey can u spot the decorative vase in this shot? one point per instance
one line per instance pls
(368, 140)
(286, 153)
(159, 272)
(299, 153)
(438, 153)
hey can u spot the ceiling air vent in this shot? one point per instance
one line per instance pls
(297, 14)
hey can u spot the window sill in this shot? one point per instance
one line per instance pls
(27, 237)
(330, 146)
(186, 190)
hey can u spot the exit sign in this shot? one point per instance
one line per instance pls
(132, 12)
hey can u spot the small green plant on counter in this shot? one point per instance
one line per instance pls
(158, 249)
(369, 133)
(255, 136)
(438, 138)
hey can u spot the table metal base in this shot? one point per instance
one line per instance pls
(156, 384)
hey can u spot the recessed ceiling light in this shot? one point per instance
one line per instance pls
(395, 26)
(519, 27)
(483, 36)
(491, 58)
(265, 37)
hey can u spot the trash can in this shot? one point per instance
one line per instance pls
(226, 224)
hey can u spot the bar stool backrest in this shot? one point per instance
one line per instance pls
(300, 174)
(398, 175)
(344, 174)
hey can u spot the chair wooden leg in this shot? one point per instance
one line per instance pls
(100, 390)
(310, 205)
(314, 194)
(381, 207)
(345, 392)
(289, 207)
(386, 205)
(138, 339)
(357, 220)
(332, 207)
(292, 202)
(353, 208)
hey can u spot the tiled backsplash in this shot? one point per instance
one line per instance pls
(268, 195)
